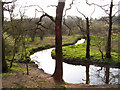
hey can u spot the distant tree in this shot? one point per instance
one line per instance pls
(80, 24)
(69, 24)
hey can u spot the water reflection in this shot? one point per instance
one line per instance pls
(76, 74)
(107, 71)
(91, 74)
(87, 74)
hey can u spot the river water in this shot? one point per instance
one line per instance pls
(77, 74)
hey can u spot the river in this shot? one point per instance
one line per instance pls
(77, 74)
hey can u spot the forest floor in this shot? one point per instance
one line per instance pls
(37, 78)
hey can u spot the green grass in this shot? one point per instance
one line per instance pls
(73, 53)
(37, 45)
(12, 71)
(8, 74)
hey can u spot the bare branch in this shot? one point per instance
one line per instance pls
(21, 14)
(69, 8)
(51, 6)
(66, 24)
(102, 7)
(92, 12)
(116, 13)
(44, 16)
(9, 2)
(35, 6)
(81, 13)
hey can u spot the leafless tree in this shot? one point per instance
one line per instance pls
(87, 33)
(108, 46)
(111, 15)
(4, 64)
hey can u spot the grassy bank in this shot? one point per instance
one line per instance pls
(13, 71)
(49, 42)
(38, 45)
(75, 54)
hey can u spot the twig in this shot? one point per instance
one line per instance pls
(102, 7)
(69, 8)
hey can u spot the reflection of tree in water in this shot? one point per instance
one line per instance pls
(87, 75)
(109, 76)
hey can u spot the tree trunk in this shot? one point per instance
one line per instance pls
(108, 46)
(4, 64)
(14, 52)
(58, 74)
(88, 39)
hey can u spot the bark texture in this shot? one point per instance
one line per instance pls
(58, 74)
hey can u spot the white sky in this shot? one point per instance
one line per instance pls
(80, 4)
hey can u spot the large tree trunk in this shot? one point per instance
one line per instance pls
(4, 64)
(88, 39)
(108, 46)
(58, 74)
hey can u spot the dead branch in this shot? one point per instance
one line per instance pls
(47, 15)
(92, 12)
(69, 7)
(66, 24)
(81, 13)
(102, 7)
(9, 2)
(52, 6)
(35, 6)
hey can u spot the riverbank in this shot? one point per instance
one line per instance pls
(38, 79)
(76, 54)
(38, 45)
(67, 40)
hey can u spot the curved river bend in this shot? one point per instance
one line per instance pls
(76, 73)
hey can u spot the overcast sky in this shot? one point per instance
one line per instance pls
(80, 4)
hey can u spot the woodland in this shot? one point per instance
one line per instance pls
(25, 36)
